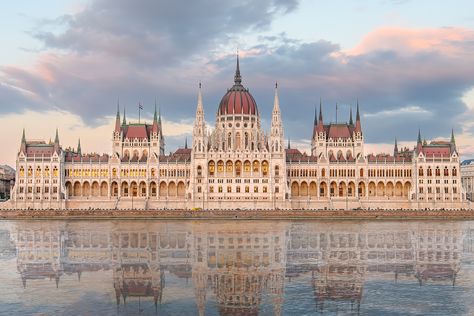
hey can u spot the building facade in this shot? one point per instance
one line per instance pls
(238, 165)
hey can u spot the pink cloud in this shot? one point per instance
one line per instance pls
(448, 41)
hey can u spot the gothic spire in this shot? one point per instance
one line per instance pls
(56, 139)
(186, 143)
(117, 118)
(453, 141)
(237, 77)
(395, 148)
(320, 111)
(124, 122)
(289, 144)
(358, 127)
(79, 151)
(23, 137)
(350, 116)
(276, 99)
(419, 141)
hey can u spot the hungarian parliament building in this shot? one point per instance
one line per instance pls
(237, 165)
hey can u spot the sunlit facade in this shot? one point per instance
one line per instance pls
(238, 165)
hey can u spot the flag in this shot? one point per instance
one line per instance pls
(140, 106)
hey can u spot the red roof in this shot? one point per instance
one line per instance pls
(137, 131)
(338, 131)
(437, 151)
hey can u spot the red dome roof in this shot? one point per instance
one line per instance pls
(237, 100)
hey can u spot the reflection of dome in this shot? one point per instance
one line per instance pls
(237, 100)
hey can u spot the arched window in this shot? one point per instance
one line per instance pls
(246, 140)
(22, 172)
(420, 172)
(211, 168)
(429, 173)
(247, 166)
(437, 172)
(361, 173)
(229, 141)
(55, 171)
(46, 171)
(256, 166)
(323, 172)
(238, 168)
(220, 166)
(265, 168)
(229, 166)
(277, 171)
(455, 172)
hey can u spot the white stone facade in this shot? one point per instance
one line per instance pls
(238, 166)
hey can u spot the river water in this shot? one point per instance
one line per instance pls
(222, 267)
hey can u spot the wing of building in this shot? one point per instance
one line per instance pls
(238, 166)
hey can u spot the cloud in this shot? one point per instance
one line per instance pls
(404, 78)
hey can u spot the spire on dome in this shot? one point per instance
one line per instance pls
(79, 151)
(350, 116)
(237, 77)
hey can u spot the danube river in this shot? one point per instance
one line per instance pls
(224, 267)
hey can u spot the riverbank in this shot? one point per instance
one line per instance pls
(237, 214)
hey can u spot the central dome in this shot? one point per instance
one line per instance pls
(237, 100)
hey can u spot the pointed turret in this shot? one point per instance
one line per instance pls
(289, 144)
(276, 131)
(419, 143)
(350, 116)
(56, 138)
(237, 77)
(186, 143)
(453, 141)
(117, 119)
(320, 126)
(358, 127)
(79, 151)
(154, 128)
(124, 122)
(56, 141)
(23, 142)
(199, 129)
(395, 148)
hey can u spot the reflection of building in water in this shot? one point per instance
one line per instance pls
(39, 251)
(342, 256)
(439, 252)
(240, 263)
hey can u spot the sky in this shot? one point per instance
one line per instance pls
(67, 64)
